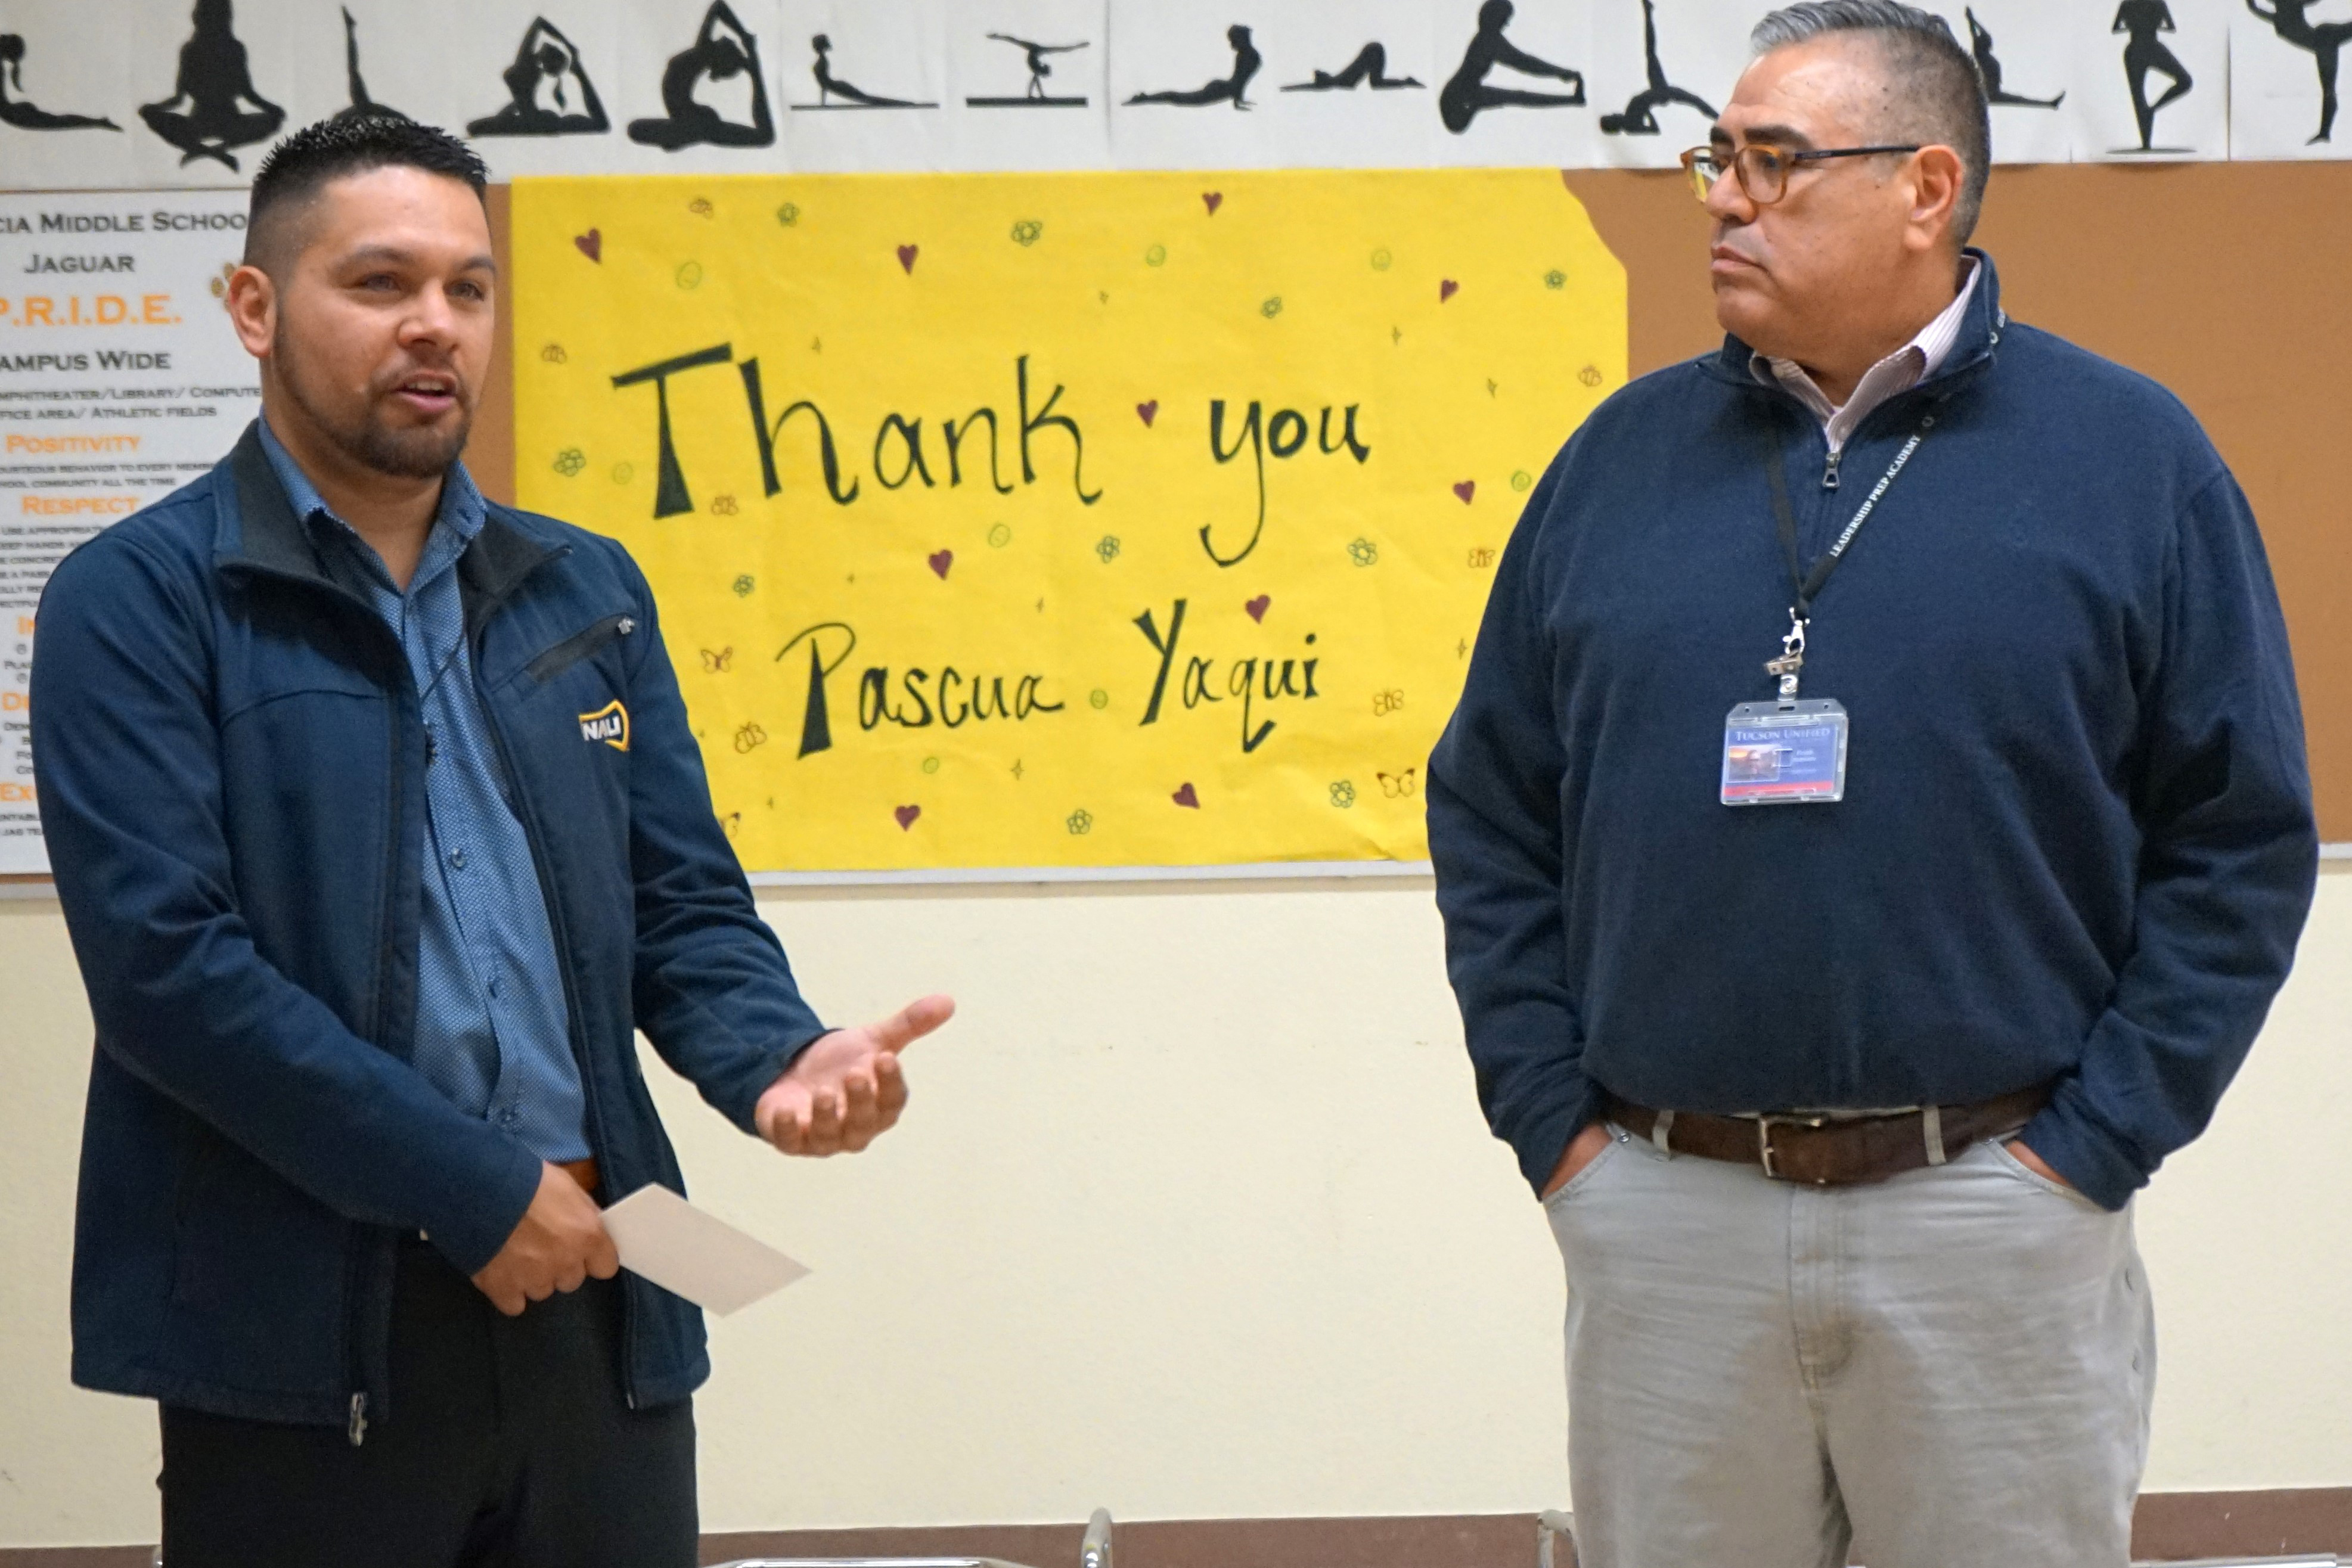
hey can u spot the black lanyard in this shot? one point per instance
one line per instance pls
(1807, 585)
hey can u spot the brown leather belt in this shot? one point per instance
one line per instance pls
(1820, 1151)
(583, 1172)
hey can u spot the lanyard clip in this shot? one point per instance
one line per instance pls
(1792, 660)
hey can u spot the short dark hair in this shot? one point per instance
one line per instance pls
(352, 143)
(1937, 96)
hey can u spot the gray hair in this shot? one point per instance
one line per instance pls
(1934, 95)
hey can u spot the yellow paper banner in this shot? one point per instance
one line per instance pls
(1061, 521)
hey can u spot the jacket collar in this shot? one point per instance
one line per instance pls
(256, 531)
(1980, 329)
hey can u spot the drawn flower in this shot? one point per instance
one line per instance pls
(1156, 256)
(1381, 259)
(749, 736)
(553, 354)
(700, 206)
(1521, 479)
(788, 214)
(1107, 547)
(999, 536)
(1272, 308)
(1363, 552)
(689, 274)
(623, 472)
(1590, 375)
(1026, 231)
(1098, 699)
(1555, 278)
(570, 461)
(743, 586)
(723, 506)
(1081, 822)
(1343, 793)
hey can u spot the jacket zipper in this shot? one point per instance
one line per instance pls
(1830, 473)
(355, 1425)
(573, 649)
(620, 625)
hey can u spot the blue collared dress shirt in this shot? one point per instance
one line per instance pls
(493, 1030)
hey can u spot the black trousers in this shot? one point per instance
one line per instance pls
(509, 1445)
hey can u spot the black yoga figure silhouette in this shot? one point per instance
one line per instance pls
(830, 87)
(1466, 94)
(360, 102)
(723, 49)
(1369, 68)
(1989, 68)
(2144, 56)
(1233, 89)
(18, 111)
(548, 91)
(1040, 67)
(214, 107)
(1640, 117)
(2325, 40)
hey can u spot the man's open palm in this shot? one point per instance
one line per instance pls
(847, 1089)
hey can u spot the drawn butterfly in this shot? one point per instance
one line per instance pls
(1395, 785)
(732, 822)
(716, 663)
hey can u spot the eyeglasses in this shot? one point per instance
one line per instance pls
(1763, 171)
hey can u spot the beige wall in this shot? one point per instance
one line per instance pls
(1193, 1217)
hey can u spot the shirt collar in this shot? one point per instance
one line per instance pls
(1899, 372)
(462, 510)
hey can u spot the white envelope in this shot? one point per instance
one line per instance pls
(697, 1255)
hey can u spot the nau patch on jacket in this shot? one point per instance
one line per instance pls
(609, 724)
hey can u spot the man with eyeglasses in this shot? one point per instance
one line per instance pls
(1874, 829)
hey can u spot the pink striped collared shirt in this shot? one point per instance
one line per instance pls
(1901, 370)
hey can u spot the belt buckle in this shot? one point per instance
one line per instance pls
(1764, 1150)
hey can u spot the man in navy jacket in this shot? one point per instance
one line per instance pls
(1872, 833)
(380, 830)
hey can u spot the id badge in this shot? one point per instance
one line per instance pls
(1775, 755)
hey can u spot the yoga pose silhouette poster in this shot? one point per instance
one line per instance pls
(863, 83)
(2150, 80)
(1061, 521)
(2024, 50)
(1028, 85)
(2288, 79)
(1659, 69)
(1274, 86)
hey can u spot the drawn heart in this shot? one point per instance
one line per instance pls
(1215, 199)
(907, 815)
(1257, 607)
(592, 244)
(1464, 490)
(1148, 412)
(907, 253)
(940, 561)
(1446, 290)
(1187, 796)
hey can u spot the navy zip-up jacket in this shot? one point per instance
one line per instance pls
(230, 756)
(2077, 845)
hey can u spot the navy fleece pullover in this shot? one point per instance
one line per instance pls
(2076, 845)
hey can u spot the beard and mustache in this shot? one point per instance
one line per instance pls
(416, 452)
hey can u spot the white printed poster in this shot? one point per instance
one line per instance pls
(120, 381)
(2284, 60)
(2150, 80)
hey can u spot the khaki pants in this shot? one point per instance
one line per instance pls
(1948, 1369)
